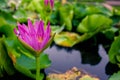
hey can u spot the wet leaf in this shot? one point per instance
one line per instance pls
(67, 39)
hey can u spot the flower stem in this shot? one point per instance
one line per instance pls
(37, 68)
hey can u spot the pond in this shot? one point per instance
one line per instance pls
(93, 60)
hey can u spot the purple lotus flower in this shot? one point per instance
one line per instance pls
(34, 35)
(51, 2)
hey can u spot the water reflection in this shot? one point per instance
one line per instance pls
(92, 59)
(89, 53)
(111, 68)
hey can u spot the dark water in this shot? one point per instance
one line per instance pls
(95, 61)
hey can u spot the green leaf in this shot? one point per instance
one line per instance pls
(98, 9)
(26, 65)
(92, 10)
(30, 64)
(7, 18)
(4, 5)
(115, 76)
(35, 5)
(20, 15)
(116, 12)
(25, 71)
(66, 39)
(66, 16)
(79, 11)
(110, 33)
(115, 51)
(5, 61)
(57, 29)
(54, 17)
(92, 22)
(7, 30)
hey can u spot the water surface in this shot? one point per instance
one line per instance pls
(65, 58)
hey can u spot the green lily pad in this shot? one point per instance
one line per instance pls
(66, 39)
(92, 22)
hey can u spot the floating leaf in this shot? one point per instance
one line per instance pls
(92, 22)
(67, 39)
